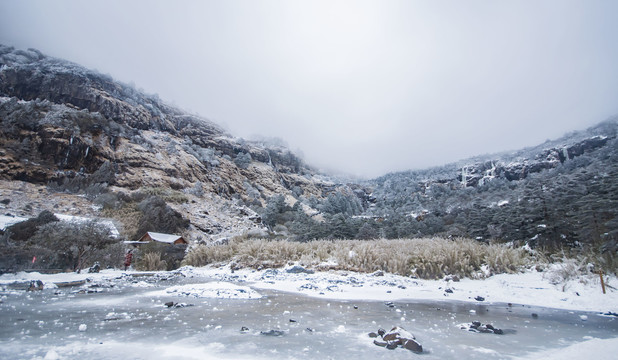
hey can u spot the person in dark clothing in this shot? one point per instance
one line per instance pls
(127, 259)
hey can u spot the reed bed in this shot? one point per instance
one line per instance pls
(427, 258)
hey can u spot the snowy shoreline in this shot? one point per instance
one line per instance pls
(181, 288)
(528, 288)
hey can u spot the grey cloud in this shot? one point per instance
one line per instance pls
(363, 87)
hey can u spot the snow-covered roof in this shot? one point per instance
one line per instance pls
(166, 238)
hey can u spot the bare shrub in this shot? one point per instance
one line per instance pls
(74, 243)
(160, 217)
(22, 231)
(425, 258)
(112, 256)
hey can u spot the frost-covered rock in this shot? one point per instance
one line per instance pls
(396, 337)
(297, 269)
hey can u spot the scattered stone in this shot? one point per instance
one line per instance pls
(396, 337)
(455, 278)
(355, 307)
(380, 343)
(583, 317)
(609, 313)
(448, 291)
(479, 298)
(483, 329)
(181, 305)
(35, 285)
(270, 273)
(389, 304)
(477, 327)
(94, 268)
(272, 333)
(169, 304)
(310, 329)
(292, 321)
(398, 333)
(535, 315)
(297, 269)
(413, 345)
(391, 345)
(377, 273)
(244, 329)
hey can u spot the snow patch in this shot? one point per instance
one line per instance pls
(215, 290)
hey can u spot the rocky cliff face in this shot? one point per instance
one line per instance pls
(479, 173)
(61, 122)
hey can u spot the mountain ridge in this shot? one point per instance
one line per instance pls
(76, 131)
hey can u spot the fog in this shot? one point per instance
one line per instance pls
(360, 87)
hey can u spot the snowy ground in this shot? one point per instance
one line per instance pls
(342, 306)
(528, 288)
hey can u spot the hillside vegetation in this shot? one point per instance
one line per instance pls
(73, 133)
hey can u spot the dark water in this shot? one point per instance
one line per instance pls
(124, 321)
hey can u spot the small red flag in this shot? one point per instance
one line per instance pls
(33, 259)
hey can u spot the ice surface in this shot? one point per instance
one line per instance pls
(129, 320)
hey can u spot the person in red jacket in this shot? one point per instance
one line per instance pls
(127, 259)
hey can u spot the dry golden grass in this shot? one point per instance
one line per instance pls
(151, 262)
(428, 258)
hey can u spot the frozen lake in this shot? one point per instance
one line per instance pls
(127, 318)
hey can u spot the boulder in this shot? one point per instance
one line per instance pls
(297, 269)
(396, 337)
(95, 268)
(35, 285)
(380, 343)
(391, 345)
(397, 333)
(412, 345)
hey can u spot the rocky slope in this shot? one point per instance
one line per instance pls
(72, 128)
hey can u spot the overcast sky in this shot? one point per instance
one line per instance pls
(363, 87)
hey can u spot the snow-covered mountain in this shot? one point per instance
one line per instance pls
(74, 132)
(80, 131)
